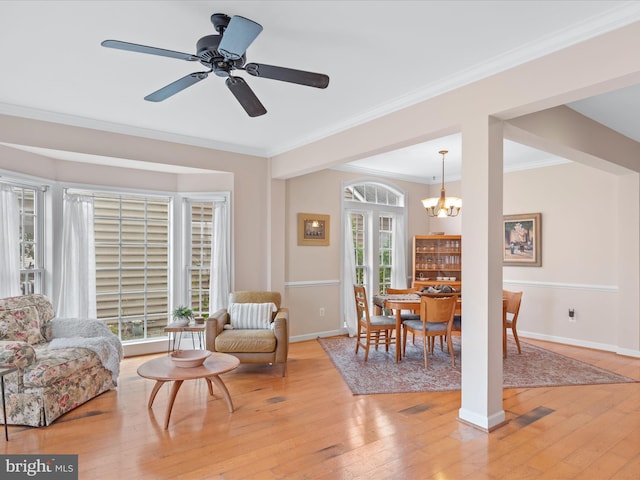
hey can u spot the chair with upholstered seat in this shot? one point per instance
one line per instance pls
(513, 300)
(436, 320)
(406, 314)
(254, 328)
(456, 326)
(372, 329)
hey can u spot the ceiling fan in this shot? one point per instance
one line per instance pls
(222, 54)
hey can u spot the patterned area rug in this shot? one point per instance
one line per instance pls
(535, 367)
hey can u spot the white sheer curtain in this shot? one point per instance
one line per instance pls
(220, 281)
(349, 278)
(77, 297)
(399, 256)
(9, 242)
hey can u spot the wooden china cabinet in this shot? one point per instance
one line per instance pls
(437, 260)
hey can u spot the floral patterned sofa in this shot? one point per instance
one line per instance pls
(61, 363)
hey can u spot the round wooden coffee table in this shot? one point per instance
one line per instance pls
(163, 370)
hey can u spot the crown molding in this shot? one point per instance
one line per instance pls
(112, 127)
(549, 162)
(618, 17)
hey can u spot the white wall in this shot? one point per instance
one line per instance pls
(313, 273)
(579, 251)
(599, 65)
(224, 171)
(579, 254)
(594, 281)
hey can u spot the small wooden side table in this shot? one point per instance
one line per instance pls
(175, 334)
(5, 371)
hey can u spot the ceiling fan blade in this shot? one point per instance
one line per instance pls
(237, 37)
(177, 86)
(300, 77)
(134, 47)
(245, 96)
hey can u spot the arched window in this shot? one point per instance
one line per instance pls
(374, 238)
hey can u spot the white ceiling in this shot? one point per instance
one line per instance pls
(380, 56)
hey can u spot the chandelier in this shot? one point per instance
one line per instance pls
(442, 206)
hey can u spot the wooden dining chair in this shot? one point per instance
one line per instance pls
(409, 314)
(372, 329)
(436, 319)
(510, 318)
(456, 326)
(406, 314)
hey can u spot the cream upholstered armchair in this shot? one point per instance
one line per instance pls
(254, 328)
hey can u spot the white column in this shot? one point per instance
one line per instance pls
(276, 238)
(628, 328)
(482, 172)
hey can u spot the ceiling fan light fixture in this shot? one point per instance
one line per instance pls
(223, 54)
(442, 206)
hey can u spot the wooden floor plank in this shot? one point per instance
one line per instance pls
(308, 425)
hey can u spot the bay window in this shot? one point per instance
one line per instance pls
(132, 240)
(30, 236)
(198, 272)
(135, 254)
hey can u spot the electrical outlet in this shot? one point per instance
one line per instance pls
(322, 312)
(572, 315)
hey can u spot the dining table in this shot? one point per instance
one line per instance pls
(399, 302)
(411, 301)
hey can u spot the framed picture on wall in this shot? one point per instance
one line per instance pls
(522, 240)
(313, 229)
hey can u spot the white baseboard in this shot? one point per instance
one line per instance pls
(580, 343)
(146, 348)
(481, 421)
(161, 345)
(313, 336)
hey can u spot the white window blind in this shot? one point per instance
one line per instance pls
(132, 263)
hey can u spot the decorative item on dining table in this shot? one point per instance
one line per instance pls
(439, 289)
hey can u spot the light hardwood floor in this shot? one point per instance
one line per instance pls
(308, 425)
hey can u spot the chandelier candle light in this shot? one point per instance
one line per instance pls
(442, 206)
